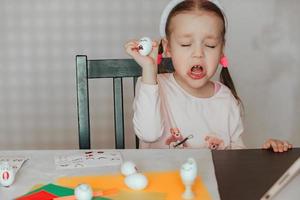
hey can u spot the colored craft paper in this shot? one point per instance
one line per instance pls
(50, 191)
(40, 195)
(167, 182)
(55, 189)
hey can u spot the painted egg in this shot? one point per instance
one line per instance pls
(145, 46)
(136, 181)
(83, 192)
(128, 168)
(7, 174)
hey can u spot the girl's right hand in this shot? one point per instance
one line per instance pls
(277, 145)
(148, 63)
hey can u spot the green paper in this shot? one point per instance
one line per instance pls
(100, 198)
(56, 190)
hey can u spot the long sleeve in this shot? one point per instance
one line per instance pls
(147, 119)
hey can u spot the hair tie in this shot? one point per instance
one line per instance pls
(170, 6)
(160, 52)
(224, 61)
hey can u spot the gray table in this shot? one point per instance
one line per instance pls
(41, 168)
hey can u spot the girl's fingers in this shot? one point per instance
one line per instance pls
(286, 145)
(274, 145)
(280, 146)
(154, 44)
(266, 145)
(132, 50)
(277, 145)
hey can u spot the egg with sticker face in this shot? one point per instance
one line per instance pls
(145, 46)
(83, 192)
(136, 181)
(128, 168)
(7, 174)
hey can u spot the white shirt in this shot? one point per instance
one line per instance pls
(165, 115)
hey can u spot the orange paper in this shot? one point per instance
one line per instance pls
(168, 182)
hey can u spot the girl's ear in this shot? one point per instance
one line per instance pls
(166, 46)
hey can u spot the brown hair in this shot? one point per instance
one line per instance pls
(204, 5)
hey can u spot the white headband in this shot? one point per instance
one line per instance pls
(169, 7)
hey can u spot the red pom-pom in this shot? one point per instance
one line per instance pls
(224, 61)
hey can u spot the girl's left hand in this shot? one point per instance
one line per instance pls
(277, 145)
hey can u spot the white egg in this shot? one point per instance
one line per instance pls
(136, 181)
(145, 46)
(7, 174)
(128, 168)
(83, 192)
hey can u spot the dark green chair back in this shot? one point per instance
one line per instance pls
(106, 68)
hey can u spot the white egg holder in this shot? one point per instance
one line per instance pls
(188, 174)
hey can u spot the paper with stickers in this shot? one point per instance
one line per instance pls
(84, 159)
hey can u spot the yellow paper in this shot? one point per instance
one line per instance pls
(168, 182)
(139, 195)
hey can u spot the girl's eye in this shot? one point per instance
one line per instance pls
(210, 46)
(185, 45)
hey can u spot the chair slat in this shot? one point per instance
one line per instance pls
(82, 102)
(113, 68)
(118, 113)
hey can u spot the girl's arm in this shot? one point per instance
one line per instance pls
(147, 119)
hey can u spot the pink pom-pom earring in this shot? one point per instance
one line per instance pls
(224, 61)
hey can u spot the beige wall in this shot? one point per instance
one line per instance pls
(39, 40)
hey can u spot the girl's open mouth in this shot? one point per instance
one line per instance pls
(197, 72)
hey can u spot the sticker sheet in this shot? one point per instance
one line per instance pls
(92, 158)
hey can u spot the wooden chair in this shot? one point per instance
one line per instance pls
(106, 68)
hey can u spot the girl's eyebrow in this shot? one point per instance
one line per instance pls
(213, 37)
(188, 35)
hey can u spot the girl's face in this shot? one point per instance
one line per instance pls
(195, 45)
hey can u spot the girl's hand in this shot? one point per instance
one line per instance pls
(277, 145)
(148, 63)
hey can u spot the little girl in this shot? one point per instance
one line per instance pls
(186, 109)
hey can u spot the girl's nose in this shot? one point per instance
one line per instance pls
(198, 51)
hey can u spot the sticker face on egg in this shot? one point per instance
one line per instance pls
(7, 174)
(145, 46)
(128, 168)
